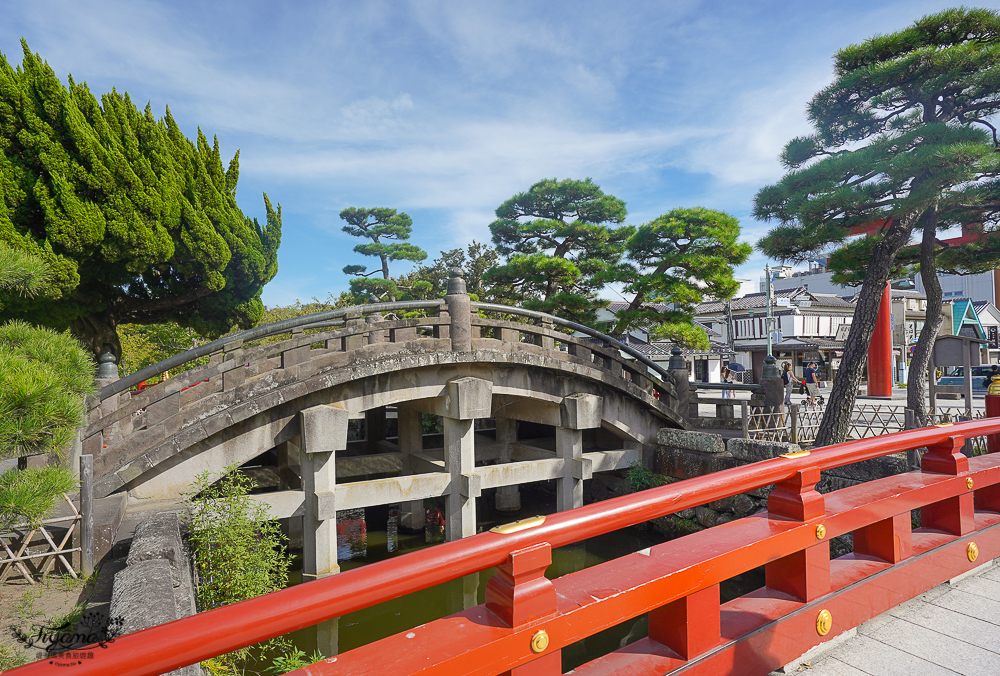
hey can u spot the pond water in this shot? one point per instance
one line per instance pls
(378, 537)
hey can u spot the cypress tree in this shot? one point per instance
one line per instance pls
(900, 134)
(135, 223)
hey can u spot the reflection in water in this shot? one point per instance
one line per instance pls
(434, 526)
(392, 531)
(352, 535)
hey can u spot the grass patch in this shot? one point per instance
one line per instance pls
(10, 657)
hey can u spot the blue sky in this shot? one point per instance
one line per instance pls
(446, 109)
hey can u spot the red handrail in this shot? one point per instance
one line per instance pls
(190, 640)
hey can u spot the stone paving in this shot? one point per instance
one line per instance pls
(952, 629)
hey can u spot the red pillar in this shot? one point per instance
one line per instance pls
(992, 411)
(880, 350)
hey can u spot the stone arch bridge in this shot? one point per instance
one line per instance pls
(295, 385)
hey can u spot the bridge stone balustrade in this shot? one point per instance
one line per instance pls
(454, 358)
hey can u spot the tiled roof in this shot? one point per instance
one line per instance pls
(708, 330)
(759, 300)
(716, 347)
(797, 343)
(617, 306)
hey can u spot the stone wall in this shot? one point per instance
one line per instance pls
(156, 585)
(682, 454)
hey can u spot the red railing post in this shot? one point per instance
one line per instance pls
(805, 574)
(993, 411)
(890, 539)
(954, 515)
(689, 626)
(520, 593)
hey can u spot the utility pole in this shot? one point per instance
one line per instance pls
(767, 322)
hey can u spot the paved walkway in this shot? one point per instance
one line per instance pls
(952, 629)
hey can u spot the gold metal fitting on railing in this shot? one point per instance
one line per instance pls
(796, 454)
(824, 622)
(969, 483)
(515, 526)
(994, 387)
(972, 551)
(820, 532)
(540, 641)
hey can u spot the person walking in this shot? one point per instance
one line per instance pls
(812, 383)
(727, 377)
(789, 379)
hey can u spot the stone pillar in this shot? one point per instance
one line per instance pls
(470, 591)
(774, 389)
(411, 440)
(460, 462)
(679, 374)
(323, 433)
(508, 498)
(569, 489)
(466, 400)
(289, 467)
(460, 310)
(107, 371)
(374, 429)
(577, 412)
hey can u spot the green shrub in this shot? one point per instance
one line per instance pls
(239, 551)
(640, 478)
(29, 494)
(292, 660)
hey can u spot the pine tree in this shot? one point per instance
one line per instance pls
(388, 232)
(567, 250)
(680, 257)
(44, 375)
(899, 133)
(136, 223)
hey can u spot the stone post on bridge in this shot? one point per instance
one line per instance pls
(460, 311)
(578, 412)
(323, 433)
(411, 441)
(466, 399)
(677, 366)
(774, 389)
(508, 498)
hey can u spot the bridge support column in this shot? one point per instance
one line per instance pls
(577, 412)
(323, 433)
(374, 428)
(411, 440)
(466, 400)
(508, 497)
(289, 473)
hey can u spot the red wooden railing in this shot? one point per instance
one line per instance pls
(528, 619)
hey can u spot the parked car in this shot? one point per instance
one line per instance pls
(979, 374)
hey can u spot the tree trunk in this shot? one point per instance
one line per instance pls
(916, 386)
(97, 331)
(837, 418)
